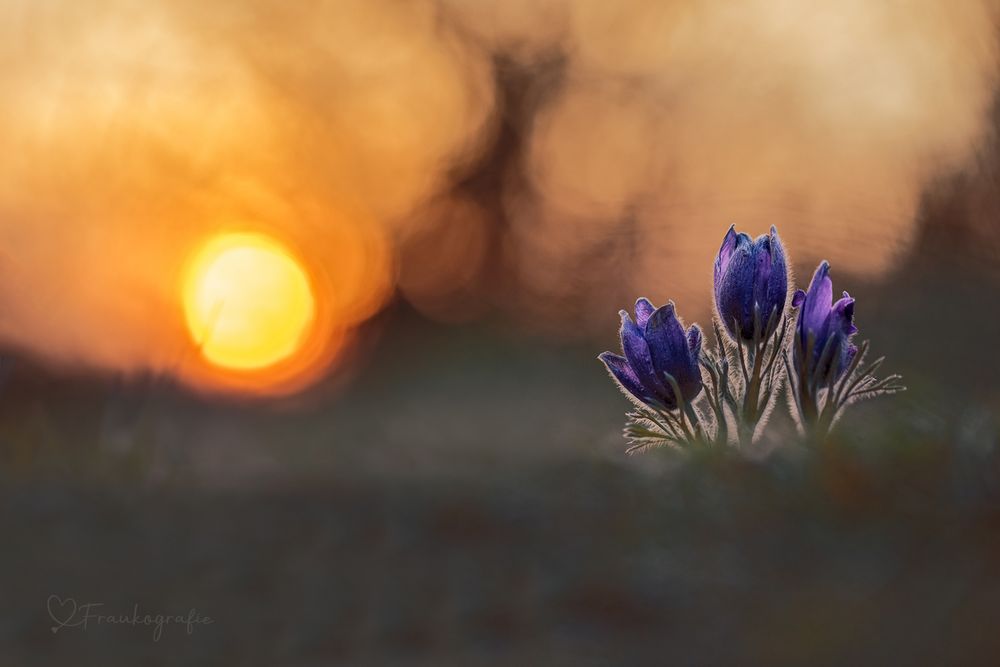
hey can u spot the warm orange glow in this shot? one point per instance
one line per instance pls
(384, 138)
(248, 302)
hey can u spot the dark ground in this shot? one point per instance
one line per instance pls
(854, 559)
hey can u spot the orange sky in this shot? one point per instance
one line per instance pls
(133, 131)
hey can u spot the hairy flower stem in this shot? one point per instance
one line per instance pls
(814, 423)
(722, 428)
(750, 413)
(693, 418)
(718, 392)
(759, 380)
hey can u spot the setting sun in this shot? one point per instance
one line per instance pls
(248, 302)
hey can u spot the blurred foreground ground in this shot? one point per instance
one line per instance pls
(861, 559)
(466, 501)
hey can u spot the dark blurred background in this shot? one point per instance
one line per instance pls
(455, 489)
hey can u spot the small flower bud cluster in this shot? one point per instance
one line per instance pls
(764, 343)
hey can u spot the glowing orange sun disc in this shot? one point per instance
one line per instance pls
(248, 302)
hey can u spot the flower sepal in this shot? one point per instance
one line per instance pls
(682, 427)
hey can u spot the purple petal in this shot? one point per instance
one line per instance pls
(735, 290)
(670, 350)
(819, 298)
(666, 338)
(623, 374)
(638, 355)
(842, 318)
(852, 351)
(725, 253)
(762, 278)
(643, 309)
(694, 339)
(690, 382)
(798, 298)
(777, 284)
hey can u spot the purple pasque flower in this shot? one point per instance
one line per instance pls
(750, 275)
(825, 326)
(656, 345)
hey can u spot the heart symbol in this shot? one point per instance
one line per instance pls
(58, 610)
